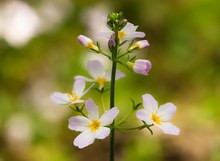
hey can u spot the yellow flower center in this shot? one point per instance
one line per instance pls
(155, 118)
(94, 125)
(121, 34)
(92, 46)
(73, 97)
(101, 81)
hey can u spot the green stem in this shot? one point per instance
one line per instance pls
(112, 96)
(125, 118)
(136, 128)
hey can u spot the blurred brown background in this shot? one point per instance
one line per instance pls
(39, 54)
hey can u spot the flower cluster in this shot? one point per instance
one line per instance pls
(93, 126)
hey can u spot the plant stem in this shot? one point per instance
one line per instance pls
(112, 95)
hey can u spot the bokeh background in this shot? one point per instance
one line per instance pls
(39, 54)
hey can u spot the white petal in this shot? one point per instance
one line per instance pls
(102, 133)
(93, 112)
(169, 128)
(85, 78)
(60, 98)
(149, 103)
(78, 123)
(84, 139)
(144, 116)
(96, 69)
(105, 34)
(79, 86)
(118, 75)
(166, 111)
(129, 28)
(88, 89)
(77, 101)
(137, 35)
(108, 117)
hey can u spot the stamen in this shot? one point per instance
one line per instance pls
(156, 118)
(73, 97)
(94, 125)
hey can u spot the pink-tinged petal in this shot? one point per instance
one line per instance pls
(149, 103)
(102, 133)
(142, 66)
(79, 86)
(96, 69)
(83, 40)
(166, 111)
(144, 116)
(78, 123)
(108, 117)
(118, 75)
(169, 128)
(60, 98)
(84, 139)
(93, 112)
(85, 78)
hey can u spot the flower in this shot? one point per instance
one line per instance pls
(127, 33)
(97, 71)
(139, 45)
(74, 96)
(87, 42)
(151, 114)
(93, 127)
(140, 66)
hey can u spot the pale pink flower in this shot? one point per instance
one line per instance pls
(159, 117)
(87, 42)
(93, 127)
(97, 71)
(140, 66)
(74, 96)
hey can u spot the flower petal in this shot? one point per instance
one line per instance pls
(118, 75)
(166, 111)
(85, 78)
(84, 139)
(96, 69)
(93, 112)
(149, 103)
(79, 86)
(102, 133)
(144, 116)
(78, 123)
(169, 128)
(108, 117)
(60, 98)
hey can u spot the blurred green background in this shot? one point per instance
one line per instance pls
(39, 54)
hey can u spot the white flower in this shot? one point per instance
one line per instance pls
(97, 71)
(74, 96)
(139, 45)
(151, 114)
(127, 33)
(92, 127)
(87, 42)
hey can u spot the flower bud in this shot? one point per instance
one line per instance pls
(87, 42)
(140, 66)
(139, 45)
